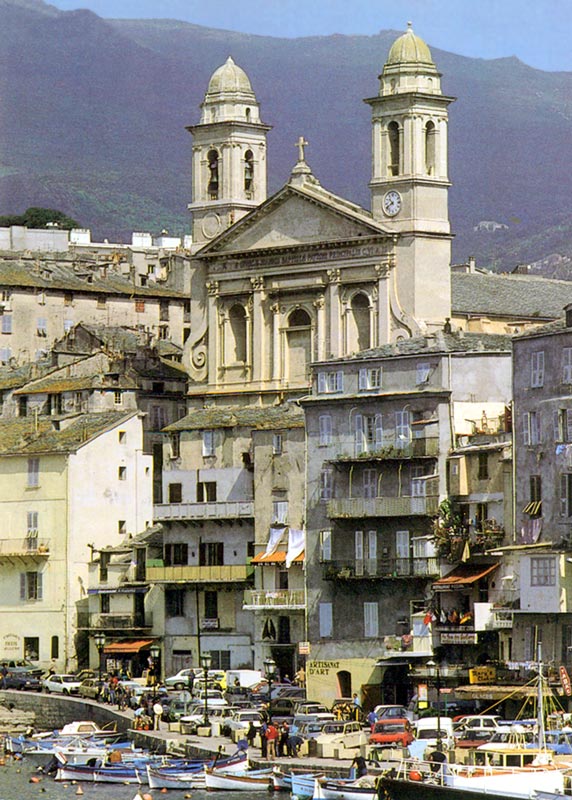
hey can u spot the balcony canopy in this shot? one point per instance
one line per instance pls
(278, 557)
(464, 576)
(127, 647)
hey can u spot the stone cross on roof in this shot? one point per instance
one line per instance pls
(301, 144)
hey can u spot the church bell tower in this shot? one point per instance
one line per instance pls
(410, 182)
(229, 154)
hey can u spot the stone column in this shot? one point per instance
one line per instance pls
(276, 359)
(334, 276)
(213, 346)
(257, 333)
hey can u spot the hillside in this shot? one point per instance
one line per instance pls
(94, 113)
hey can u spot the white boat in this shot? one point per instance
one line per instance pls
(189, 777)
(216, 779)
(303, 784)
(361, 789)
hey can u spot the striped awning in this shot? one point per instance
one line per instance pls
(533, 508)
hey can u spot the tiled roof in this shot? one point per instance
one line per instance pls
(30, 436)
(13, 377)
(15, 272)
(267, 418)
(457, 342)
(502, 295)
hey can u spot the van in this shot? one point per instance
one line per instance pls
(427, 730)
(392, 732)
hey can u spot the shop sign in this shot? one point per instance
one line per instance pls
(565, 681)
(11, 645)
(304, 648)
(482, 675)
(459, 638)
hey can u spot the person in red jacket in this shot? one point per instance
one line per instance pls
(271, 738)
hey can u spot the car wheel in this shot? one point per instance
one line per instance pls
(179, 686)
(66, 692)
(46, 690)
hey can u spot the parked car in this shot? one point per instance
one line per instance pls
(427, 732)
(392, 732)
(291, 706)
(61, 684)
(180, 681)
(23, 665)
(214, 697)
(241, 720)
(343, 708)
(347, 732)
(22, 680)
(478, 722)
(392, 712)
(91, 688)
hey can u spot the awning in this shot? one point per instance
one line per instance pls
(463, 576)
(278, 557)
(533, 508)
(127, 647)
(120, 590)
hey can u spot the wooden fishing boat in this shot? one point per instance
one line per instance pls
(216, 779)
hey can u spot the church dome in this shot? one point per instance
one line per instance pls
(409, 49)
(229, 78)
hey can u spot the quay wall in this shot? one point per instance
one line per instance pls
(52, 711)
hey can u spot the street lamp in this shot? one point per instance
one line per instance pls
(99, 640)
(435, 672)
(206, 659)
(270, 671)
(154, 651)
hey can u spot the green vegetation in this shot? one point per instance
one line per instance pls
(35, 217)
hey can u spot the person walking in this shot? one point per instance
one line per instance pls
(356, 706)
(251, 734)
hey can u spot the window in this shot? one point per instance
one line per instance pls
(104, 603)
(211, 554)
(158, 418)
(370, 620)
(329, 382)
(213, 173)
(68, 325)
(563, 425)
(325, 428)
(42, 326)
(121, 526)
(402, 428)
(211, 605)
(220, 659)
(163, 310)
(117, 398)
(104, 559)
(394, 156)
(325, 545)
(422, 373)
(237, 341)
(55, 647)
(30, 586)
(101, 301)
(248, 172)
(369, 379)
(175, 602)
(23, 406)
(277, 444)
(483, 466)
(369, 478)
(567, 365)
(175, 445)
(139, 305)
(68, 299)
(33, 472)
(537, 369)
(163, 332)
(566, 494)
(5, 355)
(368, 432)
(32, 524)
(531, 430)
(280, 511)
(208, 443)
(175, 491)
(122, 473)
(326, 484)
(32, 647)
(122, 437)
(430, 147)
(176, 554)
(535, 488)
(326, 620)
(6, 323)
(542, 571)
(206, 491)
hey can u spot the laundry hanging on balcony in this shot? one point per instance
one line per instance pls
(296, 545)
(269, 630)
(274, 539)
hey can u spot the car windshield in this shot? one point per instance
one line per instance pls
(69, 678)
(391, 728)
(429, 733)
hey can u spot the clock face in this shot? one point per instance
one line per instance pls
(392, 203)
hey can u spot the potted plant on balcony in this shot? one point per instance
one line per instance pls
(448, 531)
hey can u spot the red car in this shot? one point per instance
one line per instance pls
(391, 732)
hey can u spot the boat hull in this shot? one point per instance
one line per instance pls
(402, 789)
(215, 780)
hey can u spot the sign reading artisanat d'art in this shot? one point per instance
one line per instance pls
(11, 644)
(321, 667)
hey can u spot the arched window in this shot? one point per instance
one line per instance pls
(359, 329)
(237, 321)
(430, 147)
(299, 343)
(213, 162)
(298, 317)
(394, 155)
(248, 171)
(247, 113)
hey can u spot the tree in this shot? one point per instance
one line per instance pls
(36, 217)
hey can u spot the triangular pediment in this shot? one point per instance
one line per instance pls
(296, 217)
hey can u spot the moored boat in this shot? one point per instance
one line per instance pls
(191, 775)
(217, 779)
(364, 788)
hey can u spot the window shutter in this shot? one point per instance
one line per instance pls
(525, 428)
(359, 544)
(358, 433)
(325, 422)
(371, 620)
(378, 430)
(326, 620)
(22, 586)
(326, 545)
(558, 431)
(39, 586)
(322, 383)
(568, 414)
(362, 381)
(564, 494)
(339, 381)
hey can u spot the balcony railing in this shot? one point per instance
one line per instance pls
(500, 618)
(359, 569)
(30, 546)
(117, 621)
(224, 510)
(287, 599)
(359, 507)
(210, 624)
(390, 450)
(412, 645)
(236, 573)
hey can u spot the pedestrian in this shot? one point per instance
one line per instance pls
(263, 740)
(356, 706)
(360, 766)
(293, 745)
(271, 738)
(371, 719)
(251, 734)
(283, 739)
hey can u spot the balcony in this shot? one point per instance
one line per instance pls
(283, 599)
(236, 573)
(200, 511)
(29, 547)
(118, 621)
(361, 507)
(393, 646)
(375, 568)
(424, 447)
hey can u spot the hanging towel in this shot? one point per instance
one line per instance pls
(274, 538)
(296, 545)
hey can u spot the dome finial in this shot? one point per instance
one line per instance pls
(410, 26)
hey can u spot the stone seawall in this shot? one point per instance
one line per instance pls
(51, 711)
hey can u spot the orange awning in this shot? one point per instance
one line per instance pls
(127, 647)
(279, 557)
(464, 576)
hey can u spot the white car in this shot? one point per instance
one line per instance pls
(241, 720)
(62, 684)
(180, 680)
(214, 697)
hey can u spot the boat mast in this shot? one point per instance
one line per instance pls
(540, 703)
